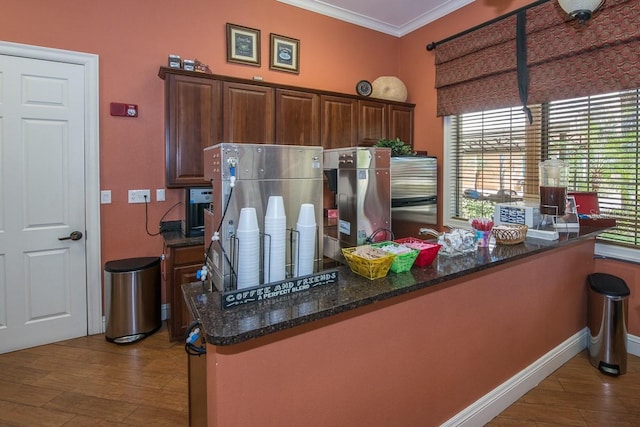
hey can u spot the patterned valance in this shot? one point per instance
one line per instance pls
(478, 71)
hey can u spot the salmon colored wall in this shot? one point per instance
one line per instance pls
(134, 38)
(630, 273)
(414, 360)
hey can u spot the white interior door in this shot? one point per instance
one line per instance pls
(43, 280)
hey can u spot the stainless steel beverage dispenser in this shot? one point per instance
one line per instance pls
(245, 176)
(363, 197)
(197, 200)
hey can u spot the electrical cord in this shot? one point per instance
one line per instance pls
(191, 336)
(146, 216)
(226, 206)
(373, 235)
(216, 236)
(202, 274)
(224, 213)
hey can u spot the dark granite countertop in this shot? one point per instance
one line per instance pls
(175, 239)
(245, 322)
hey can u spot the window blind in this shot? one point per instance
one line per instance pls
(599, 137)
(493, 160)
(495, 156)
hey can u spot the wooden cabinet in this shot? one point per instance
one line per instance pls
(373, 122)
(401, 123)
(182, 263)
(339, 121)
(193, 113)
(205, 109)
(248, 113)
(383, 120)
(297, 117)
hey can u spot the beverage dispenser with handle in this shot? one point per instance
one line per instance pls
(554, 177)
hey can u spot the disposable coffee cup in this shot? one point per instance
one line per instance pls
(275, 207)
(307, 215)
(248, 220)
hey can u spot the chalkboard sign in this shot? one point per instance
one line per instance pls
(277, 289)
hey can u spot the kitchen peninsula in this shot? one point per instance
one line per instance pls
(410, 349)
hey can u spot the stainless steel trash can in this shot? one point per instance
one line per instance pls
(608, 303)
(132, 299)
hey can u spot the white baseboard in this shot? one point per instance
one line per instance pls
(633, 345)
(503, 396)
(500, 398)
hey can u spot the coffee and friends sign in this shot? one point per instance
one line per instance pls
(278, 289)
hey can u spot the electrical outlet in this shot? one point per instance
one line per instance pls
(138, 196)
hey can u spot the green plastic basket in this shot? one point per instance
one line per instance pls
(402, 262)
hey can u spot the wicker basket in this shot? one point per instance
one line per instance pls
(428, 251)
(509, 234)
(403, 261)
(370, 268)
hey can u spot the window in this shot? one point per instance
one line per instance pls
(493, 156)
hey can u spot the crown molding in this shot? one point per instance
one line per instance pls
(324, 8)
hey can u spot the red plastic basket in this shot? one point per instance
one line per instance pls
(428, 251)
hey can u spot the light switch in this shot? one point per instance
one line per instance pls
(105, 197)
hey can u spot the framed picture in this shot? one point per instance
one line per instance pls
(243, 45)
(285, 54)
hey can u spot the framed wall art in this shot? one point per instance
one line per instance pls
(285, 54)
(243, 45)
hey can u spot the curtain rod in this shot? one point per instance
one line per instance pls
(431, 46)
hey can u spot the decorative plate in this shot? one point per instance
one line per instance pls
(364, 88)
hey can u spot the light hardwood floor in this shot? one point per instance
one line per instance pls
(90, 382)
(577, 394)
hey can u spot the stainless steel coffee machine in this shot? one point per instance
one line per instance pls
(246, 176)
(360, 179)
(197, 201)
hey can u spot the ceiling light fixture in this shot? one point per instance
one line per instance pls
(580, 9)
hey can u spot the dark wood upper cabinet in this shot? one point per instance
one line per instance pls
(339, 121)
(384, 120)
(373, 122)
(205, 109)
(193, 121)
(297, 117)
(401, 123)
(248, 113)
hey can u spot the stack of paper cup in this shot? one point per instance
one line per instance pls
(306, 243)
(275, 240)
(248, 235)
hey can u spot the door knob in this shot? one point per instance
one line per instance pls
(75, 235)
